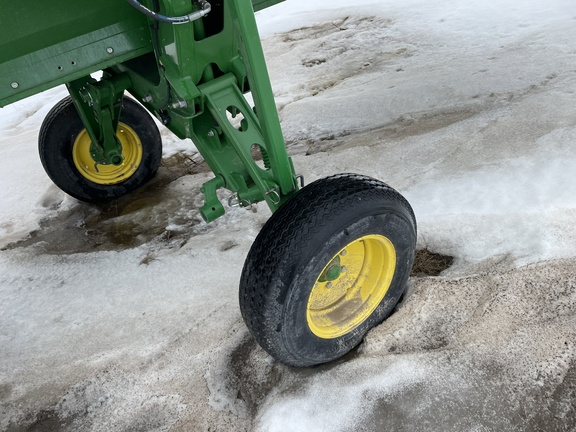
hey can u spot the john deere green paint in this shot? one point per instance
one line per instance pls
(190, 64)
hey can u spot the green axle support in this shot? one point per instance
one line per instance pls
(99, 105)
(192, 76)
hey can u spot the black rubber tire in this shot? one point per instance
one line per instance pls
(55, 142)
(295, 245)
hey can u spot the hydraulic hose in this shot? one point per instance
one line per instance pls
(205, 8)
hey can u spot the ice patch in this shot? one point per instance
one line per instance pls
(325, 404)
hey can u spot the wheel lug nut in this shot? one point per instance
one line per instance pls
(344, 269)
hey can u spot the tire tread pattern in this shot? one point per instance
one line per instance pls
(284, 235)
(55, 151)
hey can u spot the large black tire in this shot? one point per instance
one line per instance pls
(59, 141)
(298, 299)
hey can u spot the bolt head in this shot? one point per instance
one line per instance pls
(109, 50)
(329, 285)
(211, 133)
(343, 253)
(14, 85)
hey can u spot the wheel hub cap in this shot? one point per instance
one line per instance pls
(351, 286)
(113, 173)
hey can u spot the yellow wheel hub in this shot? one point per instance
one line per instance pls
(351, 286)
(108, 174)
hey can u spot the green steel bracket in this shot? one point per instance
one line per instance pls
(204, 70)
(99, 105)
(240, 129)
(212, 208)
(259, 82)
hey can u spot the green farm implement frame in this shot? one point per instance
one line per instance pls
(187, 75)
(333, 259)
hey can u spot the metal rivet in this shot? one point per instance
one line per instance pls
(344, 269)
(343, 253)
(14, 85)
(211, 133)
(329, 285)
(109, 50)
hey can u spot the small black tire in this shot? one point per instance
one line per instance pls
(63, 141)
(297, 298)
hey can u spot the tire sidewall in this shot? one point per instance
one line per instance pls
(57, 149)
(389, 221)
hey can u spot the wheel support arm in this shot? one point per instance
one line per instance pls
(99, 105)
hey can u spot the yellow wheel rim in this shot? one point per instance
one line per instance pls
(108, 174)
(351, 286)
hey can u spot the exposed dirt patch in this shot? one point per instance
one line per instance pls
(252, 381)
(165, 209)
(181, 164)
(339, 25)
(252, 376)
(45, 421)
(428, 263)
(402, 127)
(327, 53)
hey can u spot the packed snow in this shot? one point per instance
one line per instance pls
(126, 317)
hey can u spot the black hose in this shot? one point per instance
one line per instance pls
(204, 10)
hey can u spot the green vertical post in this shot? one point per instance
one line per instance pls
(259, 81)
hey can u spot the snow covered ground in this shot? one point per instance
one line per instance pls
(126, 318)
